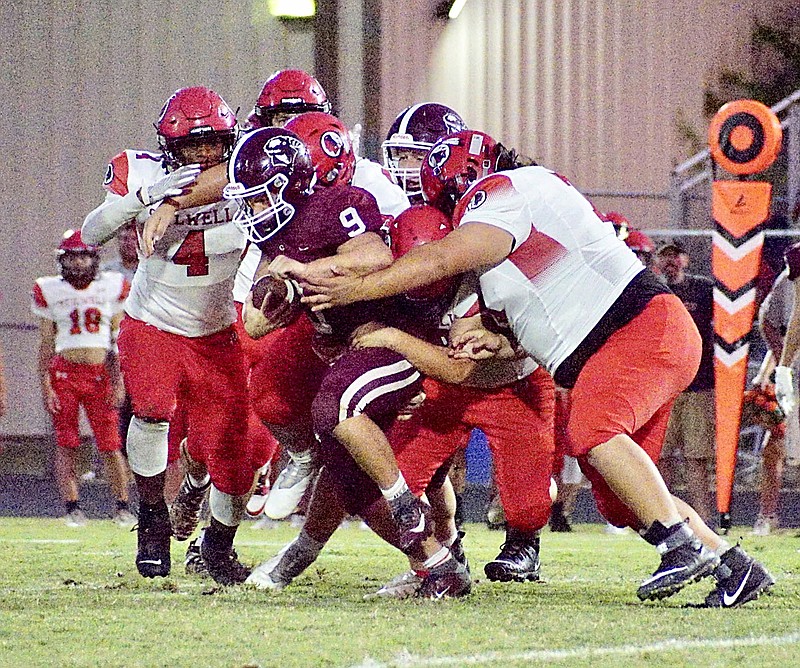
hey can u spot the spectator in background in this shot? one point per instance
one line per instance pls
(691, 425)
(773, 319)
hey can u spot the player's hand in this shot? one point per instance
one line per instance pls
(285, 267)
(170, 185)
(323, 293)
(50, 400)
(117, 398)
(784, 389)
(156, 226)
(373, 335)
(476, 344)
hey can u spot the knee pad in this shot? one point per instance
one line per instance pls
(147, 446)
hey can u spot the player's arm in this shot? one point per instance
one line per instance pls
(263, 312)
(112, 364)
(47, 350)
(467, 248)
(102, 223)
(359, 256)
(429, 359)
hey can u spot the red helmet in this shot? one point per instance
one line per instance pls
(453, 164)
(77, 272)
(191, 115)
(639, 242)
(289, 92)
(416, 226)
(620, 223)
(328, 142)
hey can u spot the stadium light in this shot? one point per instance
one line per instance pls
(449, 9)
(293, 9)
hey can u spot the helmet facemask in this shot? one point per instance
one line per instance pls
(398, 149)
(277, 212)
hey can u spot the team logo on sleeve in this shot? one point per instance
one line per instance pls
(332, 144)
(477, 200)
(282, 150)
(109, 177)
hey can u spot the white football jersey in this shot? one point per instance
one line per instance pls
(490, 373)
(82, 317)
(368, 175)
(185, 287)
(567, 266)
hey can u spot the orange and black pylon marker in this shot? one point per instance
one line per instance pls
(744, 138)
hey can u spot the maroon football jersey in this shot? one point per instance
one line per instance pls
(321, 223)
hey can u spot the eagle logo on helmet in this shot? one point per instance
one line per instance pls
(282, 150)
(477, 200)
(332, 144)
(438, 156)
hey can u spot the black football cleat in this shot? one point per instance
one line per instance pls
(153, 542)
(223, 565)
(447, 580)
(518, 560)
(740, 579)
(683, 560)
(184, 513)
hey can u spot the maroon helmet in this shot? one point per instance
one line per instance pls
(328, 142)
(288, 92)
(416, 226)
(416, 129)
(453, 164)
(270, 164)
(76, 271)
(193, 115)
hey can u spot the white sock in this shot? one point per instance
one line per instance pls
(437, 559)
(227, 509)
(724, 546)
(396, 490)
(199, 483)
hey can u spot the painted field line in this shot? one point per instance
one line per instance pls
(39, 540)
(586, 652)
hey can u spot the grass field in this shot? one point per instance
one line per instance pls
(72, 597)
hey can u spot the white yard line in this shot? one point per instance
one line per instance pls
(673, 645)
(39, 540)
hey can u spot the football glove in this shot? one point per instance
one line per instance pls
(170, 185)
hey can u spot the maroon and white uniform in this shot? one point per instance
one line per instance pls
(83, 320)
(179, 336)
(376, 382)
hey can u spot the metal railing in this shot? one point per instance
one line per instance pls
(692, 178)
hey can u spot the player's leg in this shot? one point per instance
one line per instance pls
(638, 372)
(522, 446)
(65, 426)
(103, 418)
(283, 385)
(151, 363)
(217, 421)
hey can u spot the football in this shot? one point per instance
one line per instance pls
(278, 299)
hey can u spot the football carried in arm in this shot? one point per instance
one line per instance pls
(278, 300)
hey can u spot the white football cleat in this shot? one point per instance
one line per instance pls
(291, 484)
(400, 586)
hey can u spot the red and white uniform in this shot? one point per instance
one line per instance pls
(179, 340)
(83, 320)
(569, 281)
(512, 402)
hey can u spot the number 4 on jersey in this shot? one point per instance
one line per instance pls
(192, 254)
